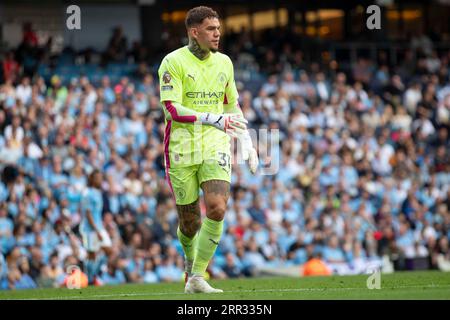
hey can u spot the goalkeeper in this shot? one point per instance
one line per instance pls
(200, 103)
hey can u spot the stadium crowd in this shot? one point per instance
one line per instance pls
(364, 169)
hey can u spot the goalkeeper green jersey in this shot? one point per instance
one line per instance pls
(189, 86)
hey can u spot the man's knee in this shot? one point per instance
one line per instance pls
(190, 228)
(216, 193)
(216, 211)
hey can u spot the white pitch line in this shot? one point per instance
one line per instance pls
(81, 297)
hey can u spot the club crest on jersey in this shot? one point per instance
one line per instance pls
(222, 78)
(166, 77)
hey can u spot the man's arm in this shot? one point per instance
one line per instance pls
(86, 207)
(226, 122)
(90, 219)
(91, 222)
(231, 106)
(171, 92)
(231, 97)
(177, 112)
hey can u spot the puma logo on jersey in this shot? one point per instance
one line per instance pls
(190, 76)
(215, 242)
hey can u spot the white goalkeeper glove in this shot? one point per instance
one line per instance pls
(233, 124)
(248, 151)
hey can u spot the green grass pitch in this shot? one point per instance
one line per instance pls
(399, 285)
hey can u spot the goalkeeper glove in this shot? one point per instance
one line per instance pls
(230, 123)
(248, 151)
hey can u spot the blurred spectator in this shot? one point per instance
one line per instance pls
(29, 38)
(149, 272)
(231, 268)
(11, 68)
(117, 46)
(421, 42)
(113, 275)
(168, 271)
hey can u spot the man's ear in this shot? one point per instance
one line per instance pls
(193, 32)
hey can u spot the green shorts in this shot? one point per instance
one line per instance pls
(185, 182)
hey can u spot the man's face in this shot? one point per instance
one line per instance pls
(97, 180)
(207, 34)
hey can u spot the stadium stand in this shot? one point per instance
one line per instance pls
(364, 152)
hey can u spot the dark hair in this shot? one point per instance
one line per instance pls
(92, 175)
(198, 14)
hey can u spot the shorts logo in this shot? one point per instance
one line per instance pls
(181, 194)
(166, 77)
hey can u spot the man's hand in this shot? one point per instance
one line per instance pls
(230, 123)
(253, 160)
(248, 151)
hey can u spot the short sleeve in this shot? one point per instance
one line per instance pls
(231, 92)
(170, 81)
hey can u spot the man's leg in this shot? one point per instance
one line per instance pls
(188, 225)
(216, 194)
(90, 243)
(103, 258)
(184, 183)
(90, 266)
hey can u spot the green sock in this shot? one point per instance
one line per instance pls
(188, 245)
(208, 240)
